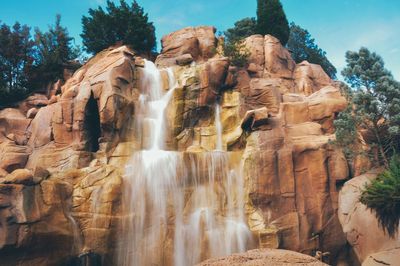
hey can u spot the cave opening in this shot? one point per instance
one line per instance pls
(91, 125)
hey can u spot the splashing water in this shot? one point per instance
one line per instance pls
(180, 208)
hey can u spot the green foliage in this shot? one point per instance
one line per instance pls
(346, 131)
(376, 100)
(54, 49)
(124, 24)
(28, 64)
(237, 53)
(243, 28)
(271, 19)
(382, 196)
(303, 47)
(16, 58)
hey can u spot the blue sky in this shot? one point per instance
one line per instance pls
(337, 25)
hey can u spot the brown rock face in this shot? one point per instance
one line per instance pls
(370, 243)
(99, 97)
(310, 77)
(274, 120)
(199, 43)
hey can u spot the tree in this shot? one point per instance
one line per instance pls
(16, 57)
(271, 19)
(243, 28)
(376, 100)
(54, 49)
(125, 24)
(303, 47)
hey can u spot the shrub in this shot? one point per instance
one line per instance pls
(237, 53)
(382, 196)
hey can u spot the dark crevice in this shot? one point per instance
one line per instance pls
(91, 125)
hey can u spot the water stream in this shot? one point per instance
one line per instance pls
(181, 208)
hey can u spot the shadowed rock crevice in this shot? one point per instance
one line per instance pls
(91, 125)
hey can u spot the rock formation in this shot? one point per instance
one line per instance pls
(264, 257)
(371, 245)
(277, 124)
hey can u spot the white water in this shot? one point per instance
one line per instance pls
(182, 208)
(218, 127)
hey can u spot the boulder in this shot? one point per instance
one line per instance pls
(255, 45)
(185, 59)
(310, 78)
(278, 61)
(361, 226)
(212, 77)
(20, 176)
(325, 102)
(255, 119)
(41, 127)
(263, 93)
(3, 173)
(31, 113)
(199, 42)
(13, 156)
(36, 100)
(13, 121)
(260, 257)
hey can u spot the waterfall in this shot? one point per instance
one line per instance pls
(179, 208)
(218, 127)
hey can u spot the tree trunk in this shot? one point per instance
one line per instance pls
(380, 145)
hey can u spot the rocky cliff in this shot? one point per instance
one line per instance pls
(63, 160)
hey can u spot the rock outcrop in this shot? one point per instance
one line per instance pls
(261, 257)
(371, 245)
(277, 121)
(187, 45)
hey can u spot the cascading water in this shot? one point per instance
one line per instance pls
(181, 208)
(218, 126)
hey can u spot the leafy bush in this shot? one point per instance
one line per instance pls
(382, 196)
(237, 53)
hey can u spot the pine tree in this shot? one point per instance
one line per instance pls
(271, 19)
(16, 57)
(376, 100)
(54, 49)
(303, 47)
(124, 24)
